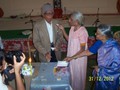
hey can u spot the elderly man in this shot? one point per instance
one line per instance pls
(46, 36)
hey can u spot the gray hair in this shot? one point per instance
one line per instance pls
(46, 7)
(105, 30)
(78, 16)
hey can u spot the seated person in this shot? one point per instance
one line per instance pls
(108, 69)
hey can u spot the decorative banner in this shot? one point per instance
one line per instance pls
(22, 44)
(17, 44)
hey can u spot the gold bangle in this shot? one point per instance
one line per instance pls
(74, 57)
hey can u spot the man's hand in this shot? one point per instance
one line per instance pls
(48, 56)
(56, 48)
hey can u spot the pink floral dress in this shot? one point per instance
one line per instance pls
(78, 66)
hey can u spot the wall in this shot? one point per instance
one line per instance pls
(24, 7)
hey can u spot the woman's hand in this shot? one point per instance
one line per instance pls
(96, 68)
(63, 31)
(60, 27)
(68, 59)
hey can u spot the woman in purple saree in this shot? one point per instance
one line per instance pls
(108, 70)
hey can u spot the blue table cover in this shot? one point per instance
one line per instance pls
(46, 80)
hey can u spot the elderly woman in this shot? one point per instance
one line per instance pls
(108, 70)
(77, 42)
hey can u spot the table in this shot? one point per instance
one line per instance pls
(46, 80)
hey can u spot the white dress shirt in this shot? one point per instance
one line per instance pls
(50, 30)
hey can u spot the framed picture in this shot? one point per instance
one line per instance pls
(57, 3)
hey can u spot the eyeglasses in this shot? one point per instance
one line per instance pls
(98, 34)
(50, 13)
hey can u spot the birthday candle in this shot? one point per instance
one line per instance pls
(30, 60)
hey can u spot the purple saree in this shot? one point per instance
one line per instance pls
(108, 75)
